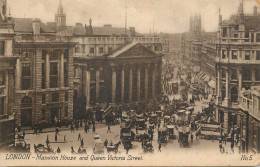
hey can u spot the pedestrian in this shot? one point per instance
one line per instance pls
(94, 129)
(136, 130)
(108, 128)
(85, 128)
(56, 137)
(64, 138)
(105, 143)
(79, 137)
(47, 140)
(72, 150)
(71, 128)
(58, 150)
(23, 133)
(191, 137)
(80, 123)
(82, 143)
(57, 130)
(79, 150)
(160, 146)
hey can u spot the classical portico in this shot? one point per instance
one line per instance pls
(128, 75)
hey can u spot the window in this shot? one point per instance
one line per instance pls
(55, 97)
(110, 49)
(223, 74)
(66, 75)
(2, 48)
(92, 75)
(235, 35)
(66, 111)
(234, 74)
(101, 50)
(76, 72)
(234, 54)
(83, 49)
(43, 75)
(77, 49)
(53, 74)
(252, 37)
(223, 54)
(2, 106)
(257, 75)
(2, 78)
(92, 50)
(224, 32)
(257, 55)
(66, 96)
(247, 74)
(43, 114)
(26, 76)
(258, 37)
(43, 99)
(247, 55)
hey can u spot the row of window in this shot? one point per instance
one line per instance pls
(92, 50)
(66, 112)
(234, 55)
(246, 75)
(26, 76)
(122, 39)
(55, 97)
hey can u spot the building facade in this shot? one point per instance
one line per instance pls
(237, 64)
(7, 73)
(44, 74)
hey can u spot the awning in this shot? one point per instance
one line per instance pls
(212, 83)
(206, 78)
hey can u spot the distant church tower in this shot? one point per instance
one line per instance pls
(60, 17)
(195, 25)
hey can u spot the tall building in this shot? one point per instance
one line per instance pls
(44, 74)
(7, 73)
(237, 64)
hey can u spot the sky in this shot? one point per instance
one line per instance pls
(168, 16)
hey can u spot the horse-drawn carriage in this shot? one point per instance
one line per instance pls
(140, 124)
(126, 139)
(142, 136)
(148, 147)
(113, 147)
(153, 118)
(162, 135)
(170, 129)
(183, 139)
(19, 147)
(41, 149)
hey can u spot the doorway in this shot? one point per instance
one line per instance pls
(55, 113)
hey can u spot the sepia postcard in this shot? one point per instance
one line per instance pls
(129, 82)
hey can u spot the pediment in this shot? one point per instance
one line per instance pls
(133, 50)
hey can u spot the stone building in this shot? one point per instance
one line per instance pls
(127, 75)
(250, 120)
(44, 74)
(7, 73)
(237, 64)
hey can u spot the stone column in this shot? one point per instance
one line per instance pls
(6, 92)
(8, 47)
(216, 115)
(87, 77)
(122, 84)
(113, 96)
(62, 69)
(218, 85)
(240, 81)
(97, 85)
(18, 75)
(225, 125)
(130, 83)
(227, 99)
(138, 84)
(47, 70)
(153, 81)
(146, 82)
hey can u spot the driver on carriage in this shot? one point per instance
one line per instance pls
(111, 143)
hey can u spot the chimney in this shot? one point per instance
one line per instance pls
(255, 10)
(36, 26)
